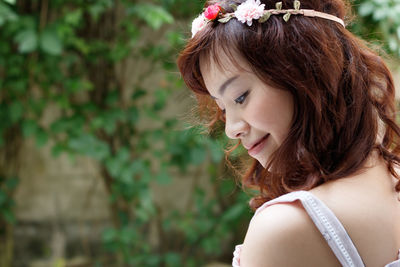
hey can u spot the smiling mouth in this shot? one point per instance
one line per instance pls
(256, 148)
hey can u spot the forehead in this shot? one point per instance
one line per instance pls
(217, 68)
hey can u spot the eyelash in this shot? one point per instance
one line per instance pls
(240, 100)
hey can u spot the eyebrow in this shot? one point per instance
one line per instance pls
(223, 87)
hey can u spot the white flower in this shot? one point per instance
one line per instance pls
(249, 10)
(198, 24)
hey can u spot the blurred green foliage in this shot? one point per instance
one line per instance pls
(379, 22)
(6, 203)
(68, 58)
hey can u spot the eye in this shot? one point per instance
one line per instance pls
(242, 98)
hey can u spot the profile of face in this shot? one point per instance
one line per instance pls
(257, 114)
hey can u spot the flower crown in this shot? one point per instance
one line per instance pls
(253, 10)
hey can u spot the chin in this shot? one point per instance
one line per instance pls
(262, 162)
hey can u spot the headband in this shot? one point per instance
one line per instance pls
(253, 10)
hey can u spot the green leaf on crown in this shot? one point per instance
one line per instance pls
(297, 4)
(225, 19)
(278, 5)
(233, 6)
(286, 17)
(265, 17)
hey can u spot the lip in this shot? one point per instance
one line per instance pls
(257, 146)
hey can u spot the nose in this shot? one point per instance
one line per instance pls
(235, 126)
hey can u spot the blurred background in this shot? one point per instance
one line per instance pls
(100, 164)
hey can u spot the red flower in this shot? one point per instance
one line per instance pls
(212, 11)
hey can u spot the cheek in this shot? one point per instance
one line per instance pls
(259, 115)
(272, 114)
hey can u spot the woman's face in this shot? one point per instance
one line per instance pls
(257, 114)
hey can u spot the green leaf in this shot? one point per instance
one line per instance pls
(11, 2)
(366, 8)
(286, 17)
(98, 7)
(29, 128)
(112, 98)
(27, 41)
(113, 166)
(393, 43)
(74, 18)
(380, 14)
(173, 259)
(265, 17)
(50, 43)
(233, 212)
(41, 137)
(6, 14)
(233, 6)
(89, 145)
(124, 155)
(97, 123)
(109, 235)
(3, 198)
(11, 183)
(197, 155)
(133, 115)
(296, 4)
(217, 152)
(163, 176)
(57, 149)
(16, 110)
(77, 85)
(225, 19)
(127, 235)
(146, 208)
(138, 93)
(154, 16)
(8, 216)
(278, 5)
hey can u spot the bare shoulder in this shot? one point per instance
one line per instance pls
(284, 235)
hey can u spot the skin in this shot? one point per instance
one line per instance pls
(283, 234)
(253, 109)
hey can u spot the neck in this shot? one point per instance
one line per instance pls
(374, 179)
(375, 176)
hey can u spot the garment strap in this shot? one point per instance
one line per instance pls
(327, 223)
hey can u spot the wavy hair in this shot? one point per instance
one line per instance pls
(343, 94)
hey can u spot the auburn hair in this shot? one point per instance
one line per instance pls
(343, 93)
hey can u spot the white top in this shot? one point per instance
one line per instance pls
(329, 226)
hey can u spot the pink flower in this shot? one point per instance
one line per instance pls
(236, 256)
(249, 10)
(212, 11)
(198, 24)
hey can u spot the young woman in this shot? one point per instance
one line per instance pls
(315, 109)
